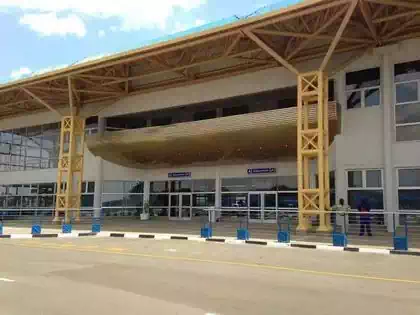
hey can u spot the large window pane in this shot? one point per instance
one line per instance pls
(375, 198)
(409, 199)
(287, 200)
(409, 178)
(46, 189)
(363, 79)
(355, 179)
(354, 99)
(87, 201)
(157, 187)
(408, 133)
(407, 71)
(235, 200)
(406, 92)
(374, 179)
(372, 97)
(263, 184)
(204, 185)
(133, 187)
(203, 200)
(114, 187)
(407, 113)
(236, 184)
(285, 183)
(159, 200)
(181, 186)
(112, 200)
(134, 201)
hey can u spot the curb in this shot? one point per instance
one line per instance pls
(267, 243)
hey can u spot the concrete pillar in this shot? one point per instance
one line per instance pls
(390, 190)
(218, 197)
(97, 203)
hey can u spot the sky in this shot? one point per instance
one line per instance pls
(42, 35)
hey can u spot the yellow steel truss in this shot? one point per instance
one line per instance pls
(70, 168)
(312, 155)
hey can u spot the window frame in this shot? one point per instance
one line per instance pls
(363, 90)
(364, 184)
(411, 188)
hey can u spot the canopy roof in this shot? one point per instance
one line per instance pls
(282, 37)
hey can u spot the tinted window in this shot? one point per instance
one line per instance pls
(407, 71)
(409, 177)
(363, 79)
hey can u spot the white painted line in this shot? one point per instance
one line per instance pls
(68, 235)
(330, 248)
(171, 250)
(233, 241)
(103, 234)
(162, 237)
(131, 235)
(196, 239)
(374, 250)
(21, 236)
(7, 280)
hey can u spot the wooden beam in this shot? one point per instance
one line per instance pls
(395, 16)
(338, 35)
(399, 3)
(312, 35)
(349, 61)
(78, 90)
(400, 28)
(318, 32)
(41, 101)
(232, 46)
(271, 51)
(71, 98)
(367, 15)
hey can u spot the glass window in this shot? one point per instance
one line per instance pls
(235, 200)
(181, 186)
(355, 179)
(354, 99)
(114, 187)
(285, 183)
(112, 200)
(263, 184)
(46, 189)
(203, 200)
(408, 133)
(409, 177)
(159, 200)
(406, 92)
(204, 185)
(134, 201)
(87, 201)
(407, 71)
(91, 187)
(236, 184)
(374, 179)
(287, 200)
(407, 113)
(133, 187)
(375, 198)
(409, 199)
(363, 79)
(157, 187)
(372, 97)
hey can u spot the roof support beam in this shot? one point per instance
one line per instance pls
(399, 3)
(271, 51)
(339, 34)
(400, 28)
(367, 15)
(41, 101)
(232, 46)
(395, 16)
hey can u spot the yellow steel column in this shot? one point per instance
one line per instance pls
(70, 168)
(313, 142)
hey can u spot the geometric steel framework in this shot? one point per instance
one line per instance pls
(313, 143)
(70, 168)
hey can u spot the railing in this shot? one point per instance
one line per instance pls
(375, 228)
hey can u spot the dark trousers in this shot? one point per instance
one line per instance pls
(365, 225)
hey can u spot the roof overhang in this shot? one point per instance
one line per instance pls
(309, 30)
(256, 136)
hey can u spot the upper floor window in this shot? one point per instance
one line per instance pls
(409, 189)
(365, 184)
(363, 88)
(407, 101)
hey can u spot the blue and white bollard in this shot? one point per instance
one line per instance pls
(206, 232)
(96, 225)
(36, 229)
(1, 228)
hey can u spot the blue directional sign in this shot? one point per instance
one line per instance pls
(179, 174)
(266, 170)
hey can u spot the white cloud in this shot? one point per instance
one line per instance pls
(92, 58)
(180, 27)
(21, 72)
(49, 69)
(131, 14)
(48, 24)
(101, 33)
(113, 28)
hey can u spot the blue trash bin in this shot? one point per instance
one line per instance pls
(1, 229)
(242, 234)
(400, 242)
(339, 239)
(283, 236)
(206, 232)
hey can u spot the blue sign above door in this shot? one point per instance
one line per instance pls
(261, 170)
(179, 174)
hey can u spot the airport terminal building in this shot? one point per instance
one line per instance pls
(220, 119)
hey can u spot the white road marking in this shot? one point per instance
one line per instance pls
(171, 250)
(6, 280)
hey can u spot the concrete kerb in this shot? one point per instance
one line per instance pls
(222, 240)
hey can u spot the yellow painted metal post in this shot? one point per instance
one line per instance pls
(313, 142)
(70, 168)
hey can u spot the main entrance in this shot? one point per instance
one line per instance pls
(262, 207)
(180, 206)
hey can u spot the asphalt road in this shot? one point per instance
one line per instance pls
(123, 276)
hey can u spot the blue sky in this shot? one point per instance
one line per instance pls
(38, 35)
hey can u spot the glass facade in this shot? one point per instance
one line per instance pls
(365, 184)
(30, 148)
(24, 199)
(409, 189)
(122, 197)
(363, 88)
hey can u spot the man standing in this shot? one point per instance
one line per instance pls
(364, 209)
(341, 211)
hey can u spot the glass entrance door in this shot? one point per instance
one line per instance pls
(254, 207)
(262, 207)
(180, 207)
